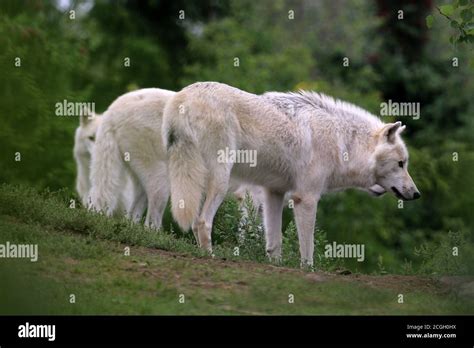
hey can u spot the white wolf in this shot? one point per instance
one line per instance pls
(127, 148)
(128, 165)
(84, 139)
(307, 143)
(84, 142)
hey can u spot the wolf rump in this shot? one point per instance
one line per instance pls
(307, 143)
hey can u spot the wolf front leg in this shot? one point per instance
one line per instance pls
(272, 214)
(305, 216)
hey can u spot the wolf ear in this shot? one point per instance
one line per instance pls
(85, 119)
(389, 131)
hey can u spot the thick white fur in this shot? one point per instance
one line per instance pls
(307, 144)
(84, 142)
(131, 126)
(127, 146)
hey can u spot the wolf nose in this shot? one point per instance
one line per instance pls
(416, 195)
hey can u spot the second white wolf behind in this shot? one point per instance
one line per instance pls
(306, 143)
(127, 148)
(127, 159)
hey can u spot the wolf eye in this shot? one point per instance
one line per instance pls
(92, 138)
(400, 164)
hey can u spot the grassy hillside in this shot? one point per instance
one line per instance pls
(84, 255)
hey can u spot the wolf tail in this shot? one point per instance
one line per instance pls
(107, 171)
(187, 169)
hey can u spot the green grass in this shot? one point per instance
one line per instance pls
(83, 254)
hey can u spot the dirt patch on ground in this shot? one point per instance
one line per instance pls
(400, 282)
(393, 282)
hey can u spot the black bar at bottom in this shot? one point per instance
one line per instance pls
(136, 330)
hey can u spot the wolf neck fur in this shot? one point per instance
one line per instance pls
(355, 129)
(359, 170)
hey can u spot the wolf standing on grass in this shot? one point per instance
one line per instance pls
(306, 143)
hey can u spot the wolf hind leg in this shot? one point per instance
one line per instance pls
(158, 192)
(138, 202)
(217, 187)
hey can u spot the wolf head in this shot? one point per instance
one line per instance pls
(391, 164)
(85, 134)
(84, 141)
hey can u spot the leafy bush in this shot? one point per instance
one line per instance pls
(450, 254)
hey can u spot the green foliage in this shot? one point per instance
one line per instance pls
(36, 73)
(460, 16)
(227, 54)
(452, 253)
(251, 235)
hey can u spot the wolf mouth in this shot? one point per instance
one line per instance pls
(375, 192)
(398, 194)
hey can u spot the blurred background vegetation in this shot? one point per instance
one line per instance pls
(82, 59)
